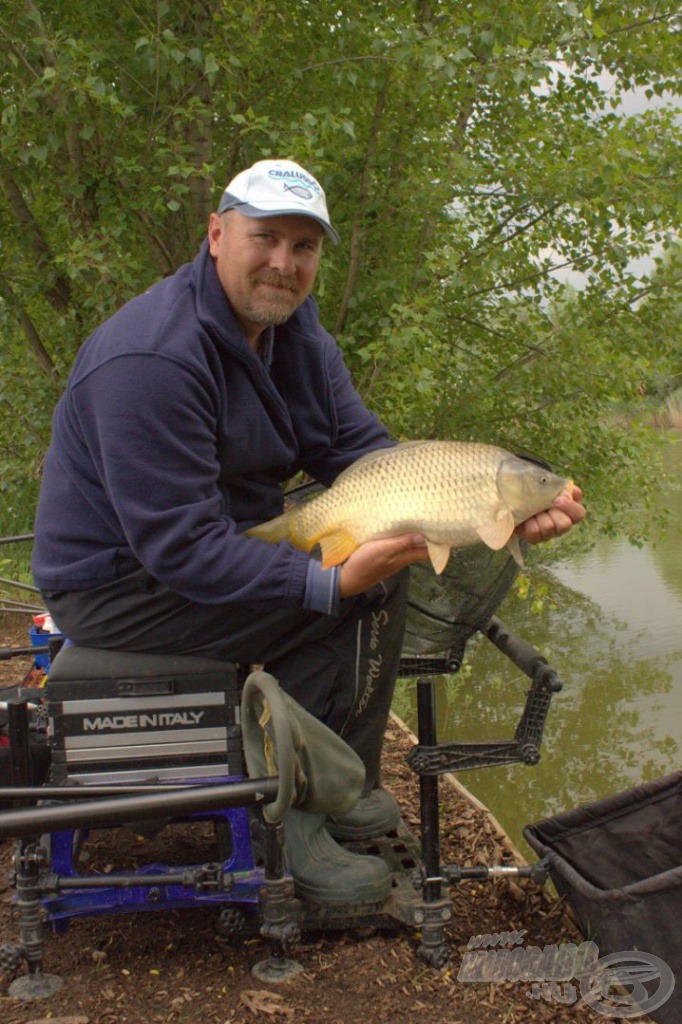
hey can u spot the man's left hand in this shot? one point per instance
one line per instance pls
(566, 511)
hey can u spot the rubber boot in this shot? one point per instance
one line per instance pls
(325, 872)
(373, 815)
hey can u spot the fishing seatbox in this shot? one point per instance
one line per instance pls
(126, 717)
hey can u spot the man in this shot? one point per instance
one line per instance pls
(182, 416)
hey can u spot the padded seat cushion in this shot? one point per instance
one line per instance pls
(74, 664)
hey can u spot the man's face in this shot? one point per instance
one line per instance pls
(266, 265)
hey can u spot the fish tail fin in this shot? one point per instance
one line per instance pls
(336, 546)
(273, 531)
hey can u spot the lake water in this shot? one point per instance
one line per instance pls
(611, 626)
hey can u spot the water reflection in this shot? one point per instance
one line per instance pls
(668, 559)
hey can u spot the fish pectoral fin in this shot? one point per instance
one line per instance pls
(515, 549)
(497, 533)
(337, 547)
(439, 555)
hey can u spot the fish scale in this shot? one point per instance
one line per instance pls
(453, 493)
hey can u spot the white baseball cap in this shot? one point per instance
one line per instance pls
(274, 187)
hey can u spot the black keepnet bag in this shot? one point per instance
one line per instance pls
(618, 861)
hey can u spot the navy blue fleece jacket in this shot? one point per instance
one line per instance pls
(173, 437)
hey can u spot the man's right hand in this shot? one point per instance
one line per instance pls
(376, 560)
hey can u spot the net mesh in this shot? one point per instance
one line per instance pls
(444, 611)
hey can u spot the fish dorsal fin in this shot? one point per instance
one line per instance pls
(337, 547)
(439, 555)
(515, 549)
(497, 533)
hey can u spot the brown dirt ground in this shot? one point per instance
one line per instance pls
(169, 969)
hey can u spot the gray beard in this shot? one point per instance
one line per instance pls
(266, 315)
(270, 312)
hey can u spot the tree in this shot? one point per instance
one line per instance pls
(467, 149)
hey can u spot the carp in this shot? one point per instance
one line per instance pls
(453, 493)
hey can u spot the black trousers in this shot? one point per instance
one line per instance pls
(342, 669)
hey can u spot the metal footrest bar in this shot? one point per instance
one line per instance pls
(206, 877)
(537, 873)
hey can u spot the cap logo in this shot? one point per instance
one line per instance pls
(301, 184)
(299, 190)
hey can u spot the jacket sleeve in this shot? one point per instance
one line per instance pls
(357, 430)
(151, 429)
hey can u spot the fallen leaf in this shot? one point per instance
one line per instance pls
(262, 1001)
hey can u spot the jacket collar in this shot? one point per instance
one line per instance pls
(213, 307)
(217, 318)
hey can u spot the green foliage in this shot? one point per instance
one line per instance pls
(467, 149)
